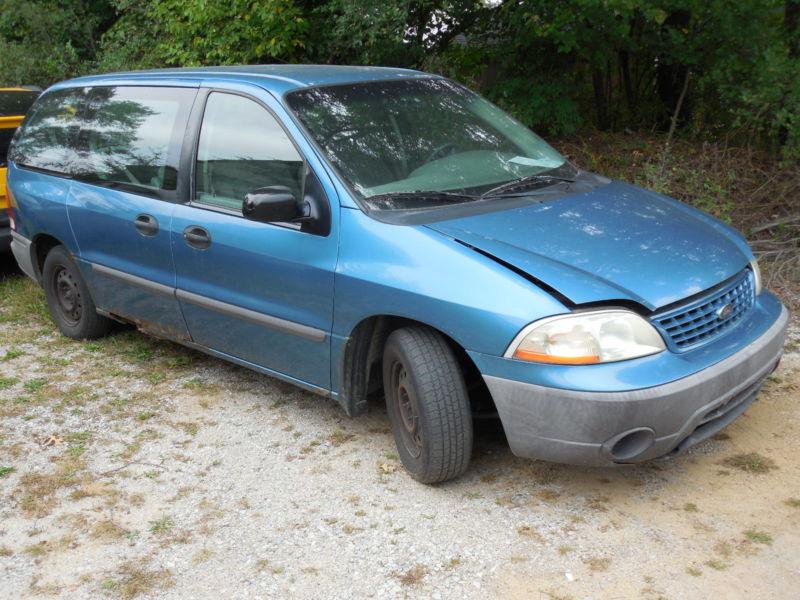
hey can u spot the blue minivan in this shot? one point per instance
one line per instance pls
(365, 232)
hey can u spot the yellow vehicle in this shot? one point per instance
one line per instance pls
(14, 103)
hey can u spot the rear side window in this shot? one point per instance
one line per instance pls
(242, 147)
(46, 140)
(131, 137)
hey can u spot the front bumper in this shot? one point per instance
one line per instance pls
(603, 428)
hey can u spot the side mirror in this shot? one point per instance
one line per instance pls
(274, 204)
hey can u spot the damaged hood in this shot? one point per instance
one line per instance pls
(616, 242)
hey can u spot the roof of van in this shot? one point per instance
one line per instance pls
(278, 78)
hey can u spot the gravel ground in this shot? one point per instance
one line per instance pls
(131, 467)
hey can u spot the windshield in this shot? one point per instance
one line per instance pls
(395, 138)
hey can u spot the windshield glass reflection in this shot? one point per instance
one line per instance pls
(420, 135)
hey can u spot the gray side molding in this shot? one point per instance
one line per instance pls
(304, 331)
(151, 286)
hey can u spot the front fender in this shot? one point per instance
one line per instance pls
(416, 273)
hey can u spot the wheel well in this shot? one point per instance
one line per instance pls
(361, 367)
(42, 244)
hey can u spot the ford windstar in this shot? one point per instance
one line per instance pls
(366, 232)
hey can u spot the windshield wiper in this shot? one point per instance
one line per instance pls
(425, 195)
(515, 183)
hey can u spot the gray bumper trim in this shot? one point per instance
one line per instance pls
(21, 248)
(572, 426)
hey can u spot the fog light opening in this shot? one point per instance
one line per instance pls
(632, 444)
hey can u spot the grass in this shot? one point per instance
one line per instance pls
(34, 385)
(6, 471)
(716, 564)
(7, 382)
(598, 564)
(694, 571)
(23, 302)
(759, 537)
(529, 532)
(162, 526)
(751, 462)
(37, 550)
(11, 354)
(690, 507)
(339, 437)
(107, 530)
(413, 576)
(38, 490)
(133, 579)
(202, 556)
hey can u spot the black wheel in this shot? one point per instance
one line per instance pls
(68, 298)
(428, 405)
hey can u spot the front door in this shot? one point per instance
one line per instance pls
(121, 202)
(259, 292)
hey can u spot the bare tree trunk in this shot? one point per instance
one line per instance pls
(627, 84)
(673, 124)
(600, 99)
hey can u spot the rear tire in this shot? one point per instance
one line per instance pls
(68, 298)
(428, 404)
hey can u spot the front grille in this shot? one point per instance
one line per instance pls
(699, 321)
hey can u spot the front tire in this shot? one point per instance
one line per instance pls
(428, 404)
(68, 298)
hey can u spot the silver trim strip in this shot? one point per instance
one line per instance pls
(156, 288)
(304, 331)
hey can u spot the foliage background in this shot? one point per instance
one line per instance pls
(613, 70)
(556, 64)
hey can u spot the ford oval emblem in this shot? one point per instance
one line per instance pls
(724, 312)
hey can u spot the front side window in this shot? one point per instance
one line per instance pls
(46, 140)
(131, 137)
(421, 136)
(242, 148)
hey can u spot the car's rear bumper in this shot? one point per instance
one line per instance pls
(21, 248)
(603, 428)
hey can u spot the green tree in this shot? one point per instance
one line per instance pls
(43, 41)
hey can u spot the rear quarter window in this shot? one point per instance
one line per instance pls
(46, 139)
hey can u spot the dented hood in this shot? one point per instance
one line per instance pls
(616, 242)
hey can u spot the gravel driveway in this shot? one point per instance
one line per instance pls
(131, 467)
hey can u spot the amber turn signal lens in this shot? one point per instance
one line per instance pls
(557, 360)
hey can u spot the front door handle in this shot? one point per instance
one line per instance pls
(197, 237)
(145, 224)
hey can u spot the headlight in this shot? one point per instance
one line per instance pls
(756, 275)
(586, 338)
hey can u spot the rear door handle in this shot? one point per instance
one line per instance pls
(197, 237)
(145, 224)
